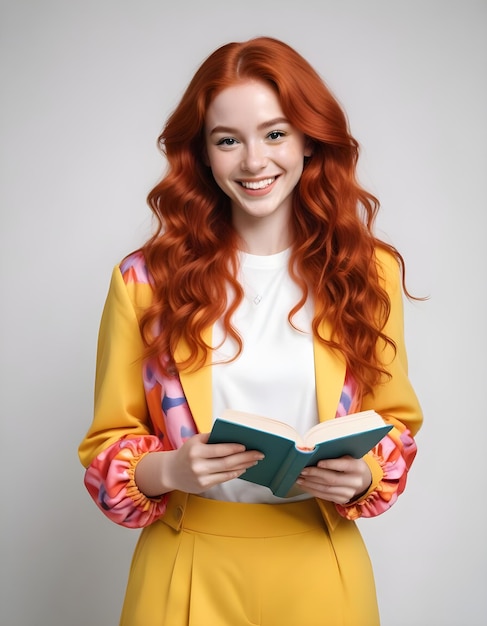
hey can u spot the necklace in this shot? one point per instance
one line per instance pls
(260, 274)
(263, 286)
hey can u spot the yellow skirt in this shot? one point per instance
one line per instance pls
(214, 563)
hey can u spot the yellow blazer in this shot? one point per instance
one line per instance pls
(120, 401)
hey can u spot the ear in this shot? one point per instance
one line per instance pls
(308, 147)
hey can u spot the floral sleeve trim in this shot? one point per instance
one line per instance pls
(393, 457)
(111, 483)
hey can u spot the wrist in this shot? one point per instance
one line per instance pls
(152, 473)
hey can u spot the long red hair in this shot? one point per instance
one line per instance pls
(192, 257)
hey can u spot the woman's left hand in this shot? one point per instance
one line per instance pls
(337, 480)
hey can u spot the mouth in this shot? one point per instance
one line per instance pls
(257, 184)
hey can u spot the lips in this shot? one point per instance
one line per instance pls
(257, 184)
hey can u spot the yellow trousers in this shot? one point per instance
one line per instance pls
(214, 563)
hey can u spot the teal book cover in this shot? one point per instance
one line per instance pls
(286, 453)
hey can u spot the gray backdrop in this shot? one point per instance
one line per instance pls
(86, 87)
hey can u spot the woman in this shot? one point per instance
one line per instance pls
(264, 290)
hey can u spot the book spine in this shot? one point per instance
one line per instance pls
(289, 471)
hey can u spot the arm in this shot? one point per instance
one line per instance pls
(130, 468)
(369, 486)
(194, 467)
(396, 401)
(120, 434)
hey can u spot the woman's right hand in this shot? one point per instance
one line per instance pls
(194, 467)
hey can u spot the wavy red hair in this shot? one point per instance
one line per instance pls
(192, 257)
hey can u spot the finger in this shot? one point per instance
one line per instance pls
(222, 477)
(233, 462)
(232, 450)
(338, 494)
(342, 464)
(319, 474)
(216, 450)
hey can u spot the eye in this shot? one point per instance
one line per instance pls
(226, 141)
(276, 134)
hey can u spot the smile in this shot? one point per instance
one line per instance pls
(258, 184)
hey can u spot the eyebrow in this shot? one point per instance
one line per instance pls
(227, 129)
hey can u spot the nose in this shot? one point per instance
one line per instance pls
(255, 157)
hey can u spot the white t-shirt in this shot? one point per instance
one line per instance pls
(274, 375)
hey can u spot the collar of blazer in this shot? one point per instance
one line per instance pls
(329, 371)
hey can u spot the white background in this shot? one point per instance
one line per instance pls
(86, 87)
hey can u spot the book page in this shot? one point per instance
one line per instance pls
(342, 426)
(265, 424)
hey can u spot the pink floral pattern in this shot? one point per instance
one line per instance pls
(110, 476)
(349, 399)
(110, 482)
(395, 454)
(134, 269)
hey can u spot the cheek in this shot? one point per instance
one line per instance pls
(293, 162)
(216, 173)
(218, 176)
(292, 157)
(213, 161)
(221, 165)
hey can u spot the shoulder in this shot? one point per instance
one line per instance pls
(131, 280)
(388, 268)
(386, 259)
(134, 269)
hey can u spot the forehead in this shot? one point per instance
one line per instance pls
(247, 101)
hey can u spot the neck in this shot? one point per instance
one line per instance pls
(262, 238)
(264, 248)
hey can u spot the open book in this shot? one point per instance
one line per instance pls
(287, 453)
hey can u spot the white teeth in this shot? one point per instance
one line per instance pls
(260, 184)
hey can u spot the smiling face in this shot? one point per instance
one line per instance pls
(256, 157)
